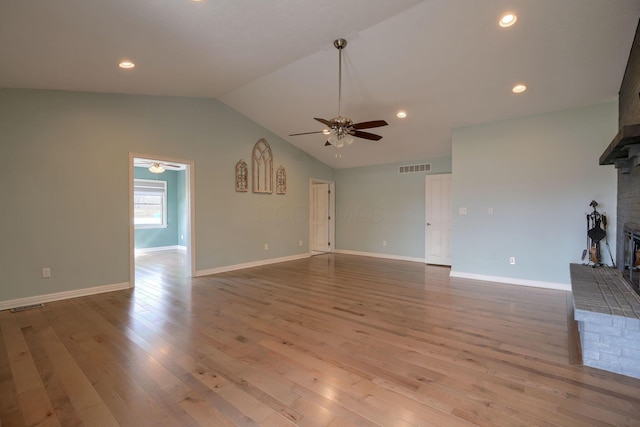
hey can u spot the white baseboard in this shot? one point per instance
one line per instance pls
(377, 255)
(41, 299)
(160, 248)
(512, 281)
(234, 267)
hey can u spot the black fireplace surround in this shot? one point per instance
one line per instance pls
(631, 266)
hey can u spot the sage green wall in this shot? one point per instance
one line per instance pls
(166, 236)
(64, 185)
(376, 203)
(539, 175)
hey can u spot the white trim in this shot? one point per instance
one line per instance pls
(234, 267)
(160, 248)
(377, 255)
(512, 281)
(40, 299)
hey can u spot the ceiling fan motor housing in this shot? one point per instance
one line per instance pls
(341, 122)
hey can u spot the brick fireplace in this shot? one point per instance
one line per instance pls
(606, 301)
(624, 149)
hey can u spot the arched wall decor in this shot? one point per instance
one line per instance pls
(262, 167)
(281, 180)
(242, 174)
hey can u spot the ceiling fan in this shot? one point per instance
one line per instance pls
(340, 129)
(156, 166)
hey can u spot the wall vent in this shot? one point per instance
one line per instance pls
(425, 167)
(26, 307)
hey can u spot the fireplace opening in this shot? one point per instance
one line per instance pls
(631, 270)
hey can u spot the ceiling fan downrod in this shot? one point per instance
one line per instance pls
(340, 44)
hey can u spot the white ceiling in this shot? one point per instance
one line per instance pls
(446, 62)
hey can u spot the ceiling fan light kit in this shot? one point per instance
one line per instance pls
(156, 168)
(341, 130)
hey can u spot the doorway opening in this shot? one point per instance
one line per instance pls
(322, 215)
(161, 212)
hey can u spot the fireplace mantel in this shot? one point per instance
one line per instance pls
(619, 151)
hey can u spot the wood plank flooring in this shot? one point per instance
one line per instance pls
(333, 340)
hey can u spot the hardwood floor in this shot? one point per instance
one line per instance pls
(334, 340)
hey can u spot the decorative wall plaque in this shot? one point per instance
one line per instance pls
(262, 167)
(242, 173)
(281, 181)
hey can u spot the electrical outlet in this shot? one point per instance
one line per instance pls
(490, 211)
(300, 243)
(384, 243)
(46, 272)
(512, 260)
(462, 211)
(266, 246)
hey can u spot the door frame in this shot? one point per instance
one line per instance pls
(332, 212)
(190, 214)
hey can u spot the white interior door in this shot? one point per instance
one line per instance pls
(320, 218)
(438, 218)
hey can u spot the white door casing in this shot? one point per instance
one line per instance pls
(438, 219)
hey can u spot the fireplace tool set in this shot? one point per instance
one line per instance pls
(596, 232)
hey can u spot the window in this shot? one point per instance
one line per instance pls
(149, 203)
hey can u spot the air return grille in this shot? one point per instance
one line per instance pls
(26, 307)
(425, 167)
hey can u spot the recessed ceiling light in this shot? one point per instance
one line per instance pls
(507, 20)
(519, 88)
(126, 64)
(401, 114)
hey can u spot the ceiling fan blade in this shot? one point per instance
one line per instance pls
(326, 144)
(305, 133)
(323, 121)
(366, 135)
(369, 125)
(171, 165)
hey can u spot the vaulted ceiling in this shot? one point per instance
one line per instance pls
(447, 63)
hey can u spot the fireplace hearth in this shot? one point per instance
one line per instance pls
(608, 315)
